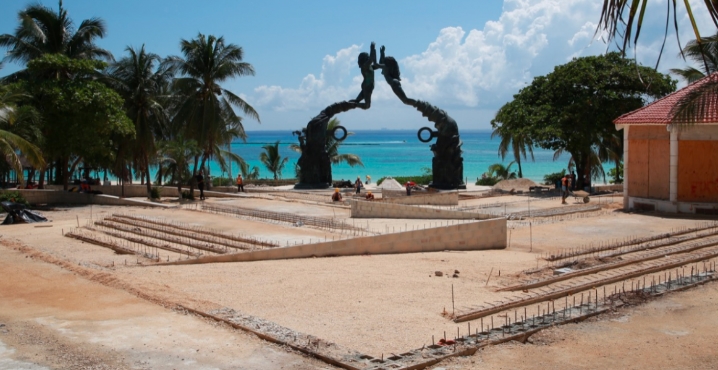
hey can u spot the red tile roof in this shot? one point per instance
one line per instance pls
(660, 112)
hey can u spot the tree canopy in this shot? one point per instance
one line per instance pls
(572, 108)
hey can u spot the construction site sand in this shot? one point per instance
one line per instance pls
(374, 304)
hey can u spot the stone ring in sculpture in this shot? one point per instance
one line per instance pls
(334, 133)
(432, 134)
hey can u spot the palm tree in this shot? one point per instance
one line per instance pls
(206, 108)
(272, 160)
(140, 79)
(621, 18)
(247, 173)
(43, 31)
(705, 53)
(16, 122)
(332, 147)
(501, 172)
(515, 140)
(175, 155)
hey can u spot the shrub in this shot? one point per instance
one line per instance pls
(187, 195)
(552, 178)
(155, 192)
(423, 179)
(223, 181)
(13, 196)
(487, 181)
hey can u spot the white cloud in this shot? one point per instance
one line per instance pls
(479, 68)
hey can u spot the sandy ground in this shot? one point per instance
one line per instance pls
(55, 318)
(83, 297)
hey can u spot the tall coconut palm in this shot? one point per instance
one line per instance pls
(16, 122)
(175, 155)
(332, 147)
(140, 78)
(271, 159)
(705, 54)
(516, 141)
(43, 31)
(206, 108)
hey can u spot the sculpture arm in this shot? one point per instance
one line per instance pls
(372, 53)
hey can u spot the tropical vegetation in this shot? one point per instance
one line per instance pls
(571, 109)
(272, 160)
(73, 106)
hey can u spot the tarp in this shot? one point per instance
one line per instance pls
(16, 213)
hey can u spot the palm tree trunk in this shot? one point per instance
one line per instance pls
(41, 181)
(147, 171)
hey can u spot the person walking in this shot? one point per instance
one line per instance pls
(200, 184)
(357, 184)
(240, 184)
(564, 189)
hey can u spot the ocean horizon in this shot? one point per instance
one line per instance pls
(388, 152)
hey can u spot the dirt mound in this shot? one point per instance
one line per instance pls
(516, 184)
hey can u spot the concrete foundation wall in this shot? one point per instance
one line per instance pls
(479, 235)
(368, 209)
(444, 198)
(672, 207)
(140, 191)
(36, 196)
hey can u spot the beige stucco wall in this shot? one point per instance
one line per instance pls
(369, 209)
(479, 235)
(37, 196)
(443, 198)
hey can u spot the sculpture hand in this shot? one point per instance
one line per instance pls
(382, 48)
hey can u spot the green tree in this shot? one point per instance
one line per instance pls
(204, 107)
(705, 54)
(572, 109)
(175, 156)
(80, 114)
(17, 124)
(42, 31)
(508, 125)
(140, 78)
(271, 159)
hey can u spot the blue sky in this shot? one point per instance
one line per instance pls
(467, 57)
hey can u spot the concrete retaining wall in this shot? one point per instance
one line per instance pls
(36, 196)
(140, 191)
(479, 235)
(368, 209)
(444, 198)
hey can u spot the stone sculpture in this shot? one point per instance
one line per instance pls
(314, 163)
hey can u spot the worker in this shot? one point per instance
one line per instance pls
(369, 196)
(240, 184)
(336, 197)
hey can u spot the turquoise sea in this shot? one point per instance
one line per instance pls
(393, 153)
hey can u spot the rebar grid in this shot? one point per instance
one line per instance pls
(626, 242)
(323, 223)
(191, 230)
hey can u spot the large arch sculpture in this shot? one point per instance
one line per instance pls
(447, 164)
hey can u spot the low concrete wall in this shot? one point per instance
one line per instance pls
(479, 235)
(140, 191)
(36, 196)
(443, 198)
(368, 209)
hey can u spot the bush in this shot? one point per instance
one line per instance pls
(552, 178)
(223, 181)
(423, 179)
(155, 192)
(13, 196)
(487, 181)
(187, 195)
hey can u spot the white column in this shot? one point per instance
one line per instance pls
(673, 174)
(625, 164)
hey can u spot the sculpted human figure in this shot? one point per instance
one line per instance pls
(367, 64)
(390, 70)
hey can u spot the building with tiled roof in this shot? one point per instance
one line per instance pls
(671, 164)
